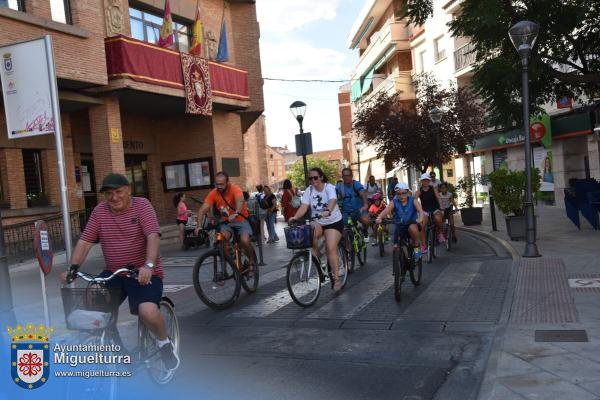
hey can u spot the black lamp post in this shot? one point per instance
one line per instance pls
(359, 148)
(436, 117)
(298, 109)
(523, 35)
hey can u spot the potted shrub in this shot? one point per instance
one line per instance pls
(470, 215)
(37, 199)
(508, 188)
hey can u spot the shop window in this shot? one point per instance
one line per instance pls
(18, 5)
(231, 166)
(61, 11)
(146, 26)
(34, 179)
(188, 174)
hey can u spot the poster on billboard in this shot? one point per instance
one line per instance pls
(542, 160)
(26, 89)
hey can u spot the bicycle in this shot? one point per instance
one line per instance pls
(93, 311)
(220, 273)
(305, 273)
(431, 239)
(354, 244)
(448, 231)
(404, 260)
(381, 237)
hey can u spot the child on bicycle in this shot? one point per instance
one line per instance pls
(448, 205)
(374, 210)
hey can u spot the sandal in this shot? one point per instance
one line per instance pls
(337, 285)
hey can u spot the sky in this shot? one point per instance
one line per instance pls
(305, 39)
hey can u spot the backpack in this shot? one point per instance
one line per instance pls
(295, 201)
(342, 192)
(262, 202)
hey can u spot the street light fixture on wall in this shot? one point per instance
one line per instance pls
(359, 146)
(523, 36)
(436, 117)
(298, 109)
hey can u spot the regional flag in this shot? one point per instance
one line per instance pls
(223, 52)
(197, 38)
(166, 31)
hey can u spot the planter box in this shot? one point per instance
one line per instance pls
(516, 227)
(471, 216)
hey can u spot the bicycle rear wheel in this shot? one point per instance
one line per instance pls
(149, 347)
(396, 271)
(381, 243)
(303, 283)
(348, 241)
(416, 269)
(249, 281)
(216, 280)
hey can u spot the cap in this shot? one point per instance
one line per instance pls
(401, 186)
(425, 176)
(113, 181)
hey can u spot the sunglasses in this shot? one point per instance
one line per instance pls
(314, 178)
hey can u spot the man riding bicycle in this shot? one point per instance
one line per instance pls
(128, 232)
(353, 201)
(229, 200)
(407, 213)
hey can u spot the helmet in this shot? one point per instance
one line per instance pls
(377, 196)
(425, 176)
(401, 186)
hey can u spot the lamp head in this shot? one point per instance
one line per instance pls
(359, 146)
(298, 109)
(523, 35)
(436, 115)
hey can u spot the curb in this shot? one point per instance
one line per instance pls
(511, 250)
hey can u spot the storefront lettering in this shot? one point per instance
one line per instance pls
(133, 145)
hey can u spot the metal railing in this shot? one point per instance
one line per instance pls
(464, 56)
(18, 238)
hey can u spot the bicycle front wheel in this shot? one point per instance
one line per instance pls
(430, 245)
(397, 268)
(381, 243)
(362, 252)
(349, 249)
(249, 278)
(216, 280)
(303, 280)
(448, 234)
(416, 269)
(342, 265)
(150, 350)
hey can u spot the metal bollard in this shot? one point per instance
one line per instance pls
(261, 261)
(493, 213)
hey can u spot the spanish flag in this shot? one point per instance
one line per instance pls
(197, 39)
(166, 31)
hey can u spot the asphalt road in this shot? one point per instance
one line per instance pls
(362, 344)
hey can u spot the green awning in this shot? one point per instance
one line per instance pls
(367, 81)
(356, 92)
(385, 57)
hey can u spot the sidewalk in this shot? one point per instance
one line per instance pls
(558, 292)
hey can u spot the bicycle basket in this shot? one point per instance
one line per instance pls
(90, 308)
(299, 237)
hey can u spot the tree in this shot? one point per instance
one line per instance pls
(407, 136)
(296, 173)
(565, 60)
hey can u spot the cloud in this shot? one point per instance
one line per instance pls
(287, 15)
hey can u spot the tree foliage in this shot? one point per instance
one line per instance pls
(565, 59)
(296, 173)
(406, 135)
(508, 188)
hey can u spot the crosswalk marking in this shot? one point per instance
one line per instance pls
(178, 261)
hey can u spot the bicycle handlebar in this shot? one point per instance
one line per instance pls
(73, 273)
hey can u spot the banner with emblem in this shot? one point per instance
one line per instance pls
(196, 79)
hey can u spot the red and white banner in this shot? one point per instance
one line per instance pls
(196, 81)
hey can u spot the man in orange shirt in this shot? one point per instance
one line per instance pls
(228, 199)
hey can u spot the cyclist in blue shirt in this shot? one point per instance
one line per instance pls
(353, 201)
(407, 213)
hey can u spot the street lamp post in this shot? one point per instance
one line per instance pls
(359, 148)
(523, 35)
(436, 117)
(298, 109)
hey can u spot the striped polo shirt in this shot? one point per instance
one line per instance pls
(123, 236)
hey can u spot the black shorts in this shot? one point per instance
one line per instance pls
(447, 212)
(136, 293)
(338, 226)
(401, 231)
(181, 222)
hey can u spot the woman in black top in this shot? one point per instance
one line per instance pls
(271, 201)
(431, 203)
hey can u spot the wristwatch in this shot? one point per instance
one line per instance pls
(149, 265)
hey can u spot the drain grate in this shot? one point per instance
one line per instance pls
(561, 336)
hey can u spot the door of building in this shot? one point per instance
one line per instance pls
(88, 181)
(136, 172)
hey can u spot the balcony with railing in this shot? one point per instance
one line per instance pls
(464, 57)
(391, 37)
(393, 83)
(147, 63)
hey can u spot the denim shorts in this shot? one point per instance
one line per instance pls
(134, 292)
(239, 227)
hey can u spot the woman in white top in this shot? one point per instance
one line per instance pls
(321, 197)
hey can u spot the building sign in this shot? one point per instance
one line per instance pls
(564, 102)
(26, 89)
(542, 160)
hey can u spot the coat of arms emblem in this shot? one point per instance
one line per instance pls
(8, 64)
(30, 355)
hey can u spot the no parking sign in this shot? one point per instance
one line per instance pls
(43, 246)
